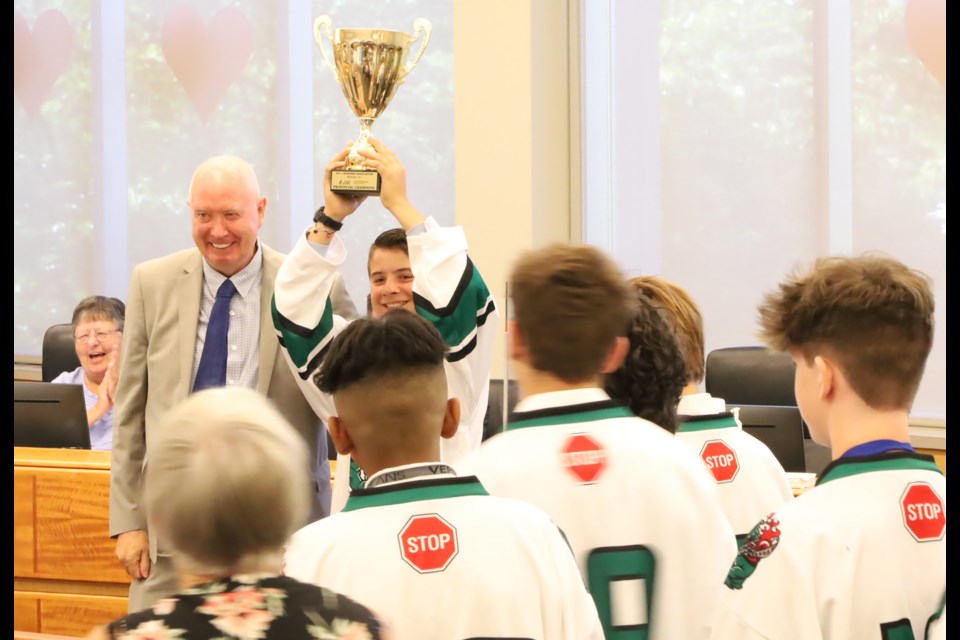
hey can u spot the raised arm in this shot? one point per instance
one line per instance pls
(302, 307)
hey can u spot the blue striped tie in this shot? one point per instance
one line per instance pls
(212, 371)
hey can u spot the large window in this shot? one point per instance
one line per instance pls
(115, 104)
(756, 136)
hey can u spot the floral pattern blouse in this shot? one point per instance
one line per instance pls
(251, 607)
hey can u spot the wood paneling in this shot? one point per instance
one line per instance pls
(23, 523)
(72, 615)
(29, 635)
(26, 612)
(66, 577)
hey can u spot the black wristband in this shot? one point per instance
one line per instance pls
(321, 218)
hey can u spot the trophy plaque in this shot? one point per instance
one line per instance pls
(369, 65)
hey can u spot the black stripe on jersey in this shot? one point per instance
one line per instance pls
(465, 279)
(293, 327)
(315, 361)
(456, 356)
(551, 412)
(705, 417)
(467, 349)
(851, 466)
(482, 318)
(416, 484)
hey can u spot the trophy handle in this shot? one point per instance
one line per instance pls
(421, 28)
(322, 27)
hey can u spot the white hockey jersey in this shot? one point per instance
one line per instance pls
(440, 559)
(638, 508)
(448, 291)
(750, 480)
(861, 555)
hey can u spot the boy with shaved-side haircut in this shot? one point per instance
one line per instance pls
(639, 510)
(862, 554)
(431, 551)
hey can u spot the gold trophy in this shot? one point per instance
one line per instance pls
(369, 65)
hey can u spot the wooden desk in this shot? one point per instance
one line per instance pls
(66, 578)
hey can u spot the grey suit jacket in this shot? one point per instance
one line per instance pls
(159, 337)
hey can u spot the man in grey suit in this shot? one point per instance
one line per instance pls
(168, 311)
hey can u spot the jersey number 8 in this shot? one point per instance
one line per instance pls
(608, 565)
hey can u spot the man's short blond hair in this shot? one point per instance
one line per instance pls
(227, 481)
(236, 169)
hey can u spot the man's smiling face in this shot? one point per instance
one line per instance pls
(227, 215)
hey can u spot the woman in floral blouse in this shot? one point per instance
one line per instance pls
(227, 484)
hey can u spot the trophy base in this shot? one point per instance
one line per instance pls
(355, 182)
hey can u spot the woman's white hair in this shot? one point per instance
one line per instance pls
(227, 482)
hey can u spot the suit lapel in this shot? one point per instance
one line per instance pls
(189, 293)
(268, 337)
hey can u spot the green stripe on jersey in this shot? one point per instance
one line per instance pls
(847, 469)
(300, 345)
(414, 494)
(702, 425)
(568, 418)
(455, 327)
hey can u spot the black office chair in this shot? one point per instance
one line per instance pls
(58, 354)
(754, 375)
(750, 375)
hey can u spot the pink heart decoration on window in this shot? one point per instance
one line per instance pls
(925, 22)
(206, 59)
(40, 56)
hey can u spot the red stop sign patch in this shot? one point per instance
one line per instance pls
(720, 459)
(584, 457)
(923, 512)
(428, 543)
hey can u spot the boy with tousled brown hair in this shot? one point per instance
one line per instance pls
(639, 510)
(581, 296)
(870, 317)
(859, 330)
(453, 561)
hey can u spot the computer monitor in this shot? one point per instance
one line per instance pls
(780, 428)
(49, 415)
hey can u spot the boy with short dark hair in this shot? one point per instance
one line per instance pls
(434, 553)
(639, 510)
(863, 554)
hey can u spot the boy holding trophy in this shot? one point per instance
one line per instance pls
(421, 267)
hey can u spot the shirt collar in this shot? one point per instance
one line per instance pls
(561, 399)
(243, 280)
(700, 404)
(409, 473)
